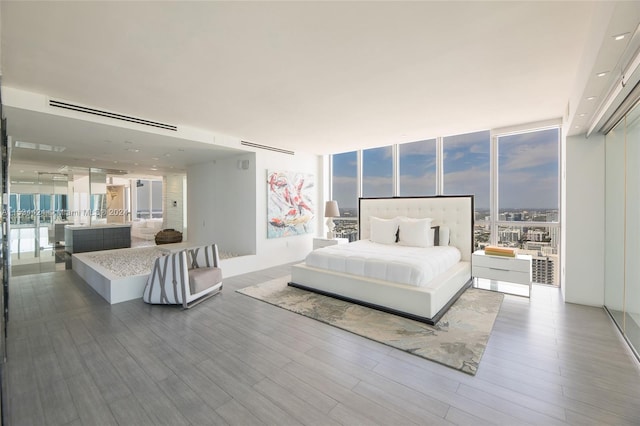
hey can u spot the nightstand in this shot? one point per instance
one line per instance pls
(325, 242)
(516, 270)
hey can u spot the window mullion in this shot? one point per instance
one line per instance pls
(439, 167)
(493, 190)
(395, 174)
(359, 173)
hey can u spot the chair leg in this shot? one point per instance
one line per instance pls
(201, 299)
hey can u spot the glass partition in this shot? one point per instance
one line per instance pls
(632, 233)
(36, 208)
(622, 227)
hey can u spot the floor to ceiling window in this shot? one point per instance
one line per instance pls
(467, 170)
(345, 190)
(513, 176)
(528, 183)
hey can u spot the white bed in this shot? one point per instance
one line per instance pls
(392, 286)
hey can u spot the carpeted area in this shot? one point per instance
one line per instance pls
(458, 340)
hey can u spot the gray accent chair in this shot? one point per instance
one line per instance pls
(185, 278)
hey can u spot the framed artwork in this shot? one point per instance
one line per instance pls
(290, 206)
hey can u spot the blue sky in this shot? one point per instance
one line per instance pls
(418, 168)
(466, 165)
(528, 167)
(528, 170)
(377, 172)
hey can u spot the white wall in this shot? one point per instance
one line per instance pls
(222, 204)
(228, 205)
(289, 249)
(584, 225)
(214, 189)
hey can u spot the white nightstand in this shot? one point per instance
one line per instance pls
(325, 242)
(515, 270)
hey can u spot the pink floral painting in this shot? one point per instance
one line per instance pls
(290, 206)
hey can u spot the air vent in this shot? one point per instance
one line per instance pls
(270, 148)
(115, 116)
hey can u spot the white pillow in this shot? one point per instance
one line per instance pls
(383, 231)
(415, 232)
(444, 236)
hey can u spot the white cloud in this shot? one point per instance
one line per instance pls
(420, 148)
(479, 148)
(528, 157)
(458, 155)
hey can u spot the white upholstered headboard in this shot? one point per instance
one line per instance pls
(456, 212)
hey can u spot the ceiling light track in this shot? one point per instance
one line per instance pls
(621, 90)
(115, 116)
(270, 148)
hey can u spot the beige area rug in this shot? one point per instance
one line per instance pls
(458, 340)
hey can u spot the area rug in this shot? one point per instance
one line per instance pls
(458, 340)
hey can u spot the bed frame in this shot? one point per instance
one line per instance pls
(425, 304)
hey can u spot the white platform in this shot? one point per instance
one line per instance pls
(116, 289)
(113, 288)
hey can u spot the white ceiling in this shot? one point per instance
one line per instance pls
(319, 77)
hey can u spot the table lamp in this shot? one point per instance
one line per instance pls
(331, 211)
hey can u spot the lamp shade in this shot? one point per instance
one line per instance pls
(331, 209)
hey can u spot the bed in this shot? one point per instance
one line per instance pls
(380, 274)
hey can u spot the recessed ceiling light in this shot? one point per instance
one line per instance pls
(576, 127)
(167, 155)
(591, 98)
(133, 150)
(153, 168)
(115, 161)
(21, 171)
(135, 164)
(602, 74)
(620, 36)
(582, 115)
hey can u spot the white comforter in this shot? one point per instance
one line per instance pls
(390, 262)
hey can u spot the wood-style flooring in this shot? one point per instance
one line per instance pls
(73, 359)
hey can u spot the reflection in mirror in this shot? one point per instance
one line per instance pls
(98, 179)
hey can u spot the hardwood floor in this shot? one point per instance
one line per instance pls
(73, 359)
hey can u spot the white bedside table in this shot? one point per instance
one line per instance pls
(325, 242)
(515, 270)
